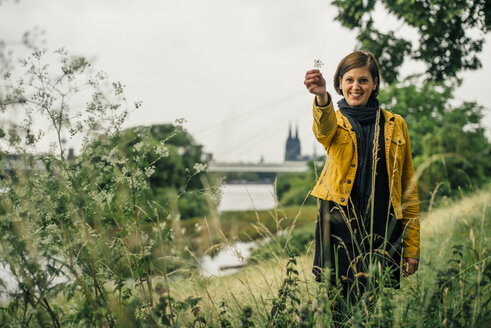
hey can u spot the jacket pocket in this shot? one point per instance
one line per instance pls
(397, 148)
(341, 137)
(398, 140)
(339, 144)
(396, 161)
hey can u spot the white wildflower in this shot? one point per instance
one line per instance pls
(149, 171)
(180, 120)
(318, 63)
(138, 146)
(200, 167)
(162, 150)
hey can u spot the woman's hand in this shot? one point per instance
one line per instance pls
(316, 85)
(410, 265)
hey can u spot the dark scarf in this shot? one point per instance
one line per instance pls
(363, 120)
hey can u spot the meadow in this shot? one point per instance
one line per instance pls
(451, 288)
(90, 241)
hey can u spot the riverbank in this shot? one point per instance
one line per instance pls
(207, 236)
(229, 226)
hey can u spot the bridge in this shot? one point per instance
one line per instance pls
(286, 167)
(257, 172)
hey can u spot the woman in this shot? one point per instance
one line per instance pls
(368, 197)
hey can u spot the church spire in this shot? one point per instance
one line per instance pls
(292, 151)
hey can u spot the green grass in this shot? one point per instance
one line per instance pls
(451, 289)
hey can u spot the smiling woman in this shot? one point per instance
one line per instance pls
(367, 228)
(358, 86)
(357, 78)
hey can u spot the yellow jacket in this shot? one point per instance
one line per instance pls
(334, 132)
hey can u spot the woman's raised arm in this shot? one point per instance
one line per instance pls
(324, 117)
(316, 84)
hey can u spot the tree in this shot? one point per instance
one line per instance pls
(293, 188)
(178, 175)
(449, 135)
(447, 139)
(451, 34)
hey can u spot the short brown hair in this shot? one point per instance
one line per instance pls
(354, 60)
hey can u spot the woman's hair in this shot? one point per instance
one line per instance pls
(354, 60)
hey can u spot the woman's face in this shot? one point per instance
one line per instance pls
(357, 86)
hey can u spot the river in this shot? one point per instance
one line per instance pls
(241, 197)
(238, 197)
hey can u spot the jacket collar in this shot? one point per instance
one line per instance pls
(389, 116)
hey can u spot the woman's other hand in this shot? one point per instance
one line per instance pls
(316, 84)
(410, 266)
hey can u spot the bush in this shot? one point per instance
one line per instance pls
(294, 188)
(171, 159)
(81, 238)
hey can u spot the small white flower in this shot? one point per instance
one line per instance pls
(149, 171)
(318, 63)
(138, 146)
(199, 167)
(162, 150)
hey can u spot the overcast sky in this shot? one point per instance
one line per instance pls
(232, 68)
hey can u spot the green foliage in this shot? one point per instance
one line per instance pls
(458, 295)
(451, 34)
(239, 176)
(167, 311)
(81, 235)
(390, 50)
(293, 188)
(447, 139)
(285, 309)
(224, 322)
(173, 168)
(297, 241)
(245, 318)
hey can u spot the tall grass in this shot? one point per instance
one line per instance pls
(451, 289)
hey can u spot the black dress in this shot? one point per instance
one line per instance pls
(347, 238)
